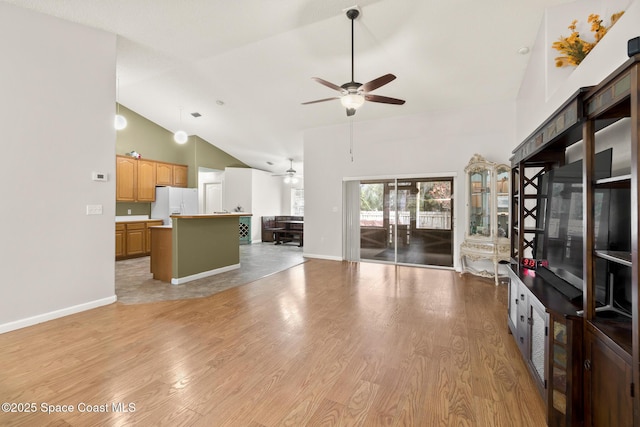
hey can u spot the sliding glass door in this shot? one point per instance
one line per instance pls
(406, 221)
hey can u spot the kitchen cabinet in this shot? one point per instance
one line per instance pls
(135, 180)
(164, 174)
(126, 179)
(146, 183)
(120, 244)
(171, 174)
(133, 239)
(245, 230)
(180, 176)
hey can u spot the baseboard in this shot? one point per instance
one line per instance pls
(45, 317)
(327, 257)
(185, 279)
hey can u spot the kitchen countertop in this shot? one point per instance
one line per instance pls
(215, 215)
(135, 218)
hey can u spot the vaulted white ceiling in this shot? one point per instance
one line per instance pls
(258, 56)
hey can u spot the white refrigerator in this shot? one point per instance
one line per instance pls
(174, 201)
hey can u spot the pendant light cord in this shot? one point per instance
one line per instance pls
(118, 96)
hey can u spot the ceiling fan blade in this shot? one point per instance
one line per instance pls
(384, 99)
(328, 84)
(380, 81)
(351, 111)
(320, 100)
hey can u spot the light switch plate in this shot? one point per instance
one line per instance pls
(94, 209)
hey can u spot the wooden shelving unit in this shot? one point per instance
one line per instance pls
(593, 350)
(611, 334)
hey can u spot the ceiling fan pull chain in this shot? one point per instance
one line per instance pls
(351, 138)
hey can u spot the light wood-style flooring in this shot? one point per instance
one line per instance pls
(322, 343)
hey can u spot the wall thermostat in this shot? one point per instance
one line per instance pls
(99, 176)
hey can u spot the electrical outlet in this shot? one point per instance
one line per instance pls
(94, 209)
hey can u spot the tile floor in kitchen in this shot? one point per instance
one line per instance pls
(135, 284)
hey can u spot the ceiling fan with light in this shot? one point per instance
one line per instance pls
(354, 94)
(289, 175)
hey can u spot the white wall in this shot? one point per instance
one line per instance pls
(58, 101)
(237, 189)
(266, 197)
(256, 192)
(545, 88)
(429, 143)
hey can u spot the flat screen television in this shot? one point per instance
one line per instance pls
(560, 196)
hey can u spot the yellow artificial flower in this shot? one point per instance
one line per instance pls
(575, 49)
(615, 17)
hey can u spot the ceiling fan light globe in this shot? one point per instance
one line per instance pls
(352, 100)
(287, 179)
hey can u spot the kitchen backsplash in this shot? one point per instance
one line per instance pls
(123, 208)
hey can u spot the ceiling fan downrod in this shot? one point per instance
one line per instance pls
(352, 14)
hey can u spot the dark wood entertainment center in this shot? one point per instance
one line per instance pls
(584, 357)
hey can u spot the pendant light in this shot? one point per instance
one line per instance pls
(181, 137)
(120, 121)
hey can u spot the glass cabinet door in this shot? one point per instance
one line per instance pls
(487, 221)
(480, 203)
(502, 200)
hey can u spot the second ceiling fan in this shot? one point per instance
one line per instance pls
(354, 94)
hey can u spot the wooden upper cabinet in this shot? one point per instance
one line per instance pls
(136, 179)
(164, 174)
(126, 178)
(171, 174)
(146, 181)
(180, 176)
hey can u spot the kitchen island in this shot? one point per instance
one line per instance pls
(195, 246)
